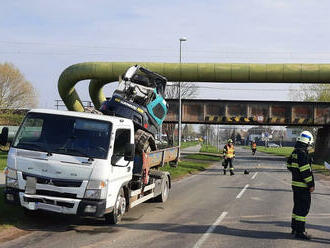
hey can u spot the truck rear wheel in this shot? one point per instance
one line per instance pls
(164, 190)
(119, 209)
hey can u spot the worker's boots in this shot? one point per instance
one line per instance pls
(224, 172)
(232, 173)
(303, 235)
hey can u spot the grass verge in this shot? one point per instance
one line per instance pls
(188, 144)
(279, 151)
(209, 148)
(3, 160)
(186, 167)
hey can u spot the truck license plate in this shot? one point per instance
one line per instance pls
(30, 187)
(48, 207)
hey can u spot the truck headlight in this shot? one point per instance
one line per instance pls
(96, 189)
(93, 194)
(11, 178)
(10, 173)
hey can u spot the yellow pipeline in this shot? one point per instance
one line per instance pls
(102, 73)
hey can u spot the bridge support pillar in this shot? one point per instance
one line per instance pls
(322, 146)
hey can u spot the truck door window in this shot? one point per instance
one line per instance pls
(123, 137)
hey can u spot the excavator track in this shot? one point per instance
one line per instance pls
(144, 142)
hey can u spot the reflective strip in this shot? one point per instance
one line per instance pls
(308, 179)
(300, 218)
(231, 168)
(305, 167)
(299, 184)
(230, 151)
(293, 216)
(293, 165)
(294, 155)
(306, 136)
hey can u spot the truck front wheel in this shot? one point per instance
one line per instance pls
(119, 209)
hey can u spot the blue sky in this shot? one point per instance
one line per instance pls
(44, 37)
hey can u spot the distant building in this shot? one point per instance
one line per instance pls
(292, 133)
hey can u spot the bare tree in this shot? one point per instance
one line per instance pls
(15, 91)
(188, 90)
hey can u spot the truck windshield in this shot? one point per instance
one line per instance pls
(64, 135)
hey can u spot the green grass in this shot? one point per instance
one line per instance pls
(319, 168)
(3, 160)
(209, 148)
(280, 151)
(9, 215)
(203, 157)
(188, 144)
(186, 167)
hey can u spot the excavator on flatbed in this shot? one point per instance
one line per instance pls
(140, 97)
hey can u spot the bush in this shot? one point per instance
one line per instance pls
(8, 119)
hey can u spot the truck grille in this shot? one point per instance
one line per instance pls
(55, 194)
(55, 182)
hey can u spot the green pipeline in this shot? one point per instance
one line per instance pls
(102, 73)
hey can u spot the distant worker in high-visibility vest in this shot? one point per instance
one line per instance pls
(299, 164)
(254, 147)
(228, 157)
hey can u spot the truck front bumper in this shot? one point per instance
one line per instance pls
(62, 205)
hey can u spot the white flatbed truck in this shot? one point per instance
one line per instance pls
(82, 164)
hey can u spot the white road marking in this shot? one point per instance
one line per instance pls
(254, 176)
(209, 230)
(242, 192)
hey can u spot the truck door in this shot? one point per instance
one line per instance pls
(121, 168)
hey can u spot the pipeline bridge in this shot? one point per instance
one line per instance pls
(102, 73)
(272, 113)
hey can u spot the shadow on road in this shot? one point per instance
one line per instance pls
(218, 170)
(261, 158)
(263, 189)
(287, 224)
(221, 229)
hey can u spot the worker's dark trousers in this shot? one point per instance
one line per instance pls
(230, 162)
(302, 203)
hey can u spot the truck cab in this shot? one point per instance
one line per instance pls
(69, 162)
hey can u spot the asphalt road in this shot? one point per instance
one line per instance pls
(204, 210)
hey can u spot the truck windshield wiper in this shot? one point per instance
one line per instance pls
(73, 150)
(32, 146)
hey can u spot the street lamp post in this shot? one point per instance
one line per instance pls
(179, 125)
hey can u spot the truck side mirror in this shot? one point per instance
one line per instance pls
(4, 136)
(129, 152)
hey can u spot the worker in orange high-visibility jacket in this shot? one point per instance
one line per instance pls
(228, 157)
(253, 147)
(299, 164)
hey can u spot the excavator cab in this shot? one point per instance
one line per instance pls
(140, 97)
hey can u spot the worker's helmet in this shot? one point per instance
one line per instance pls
(305, 137)
(230, 141)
